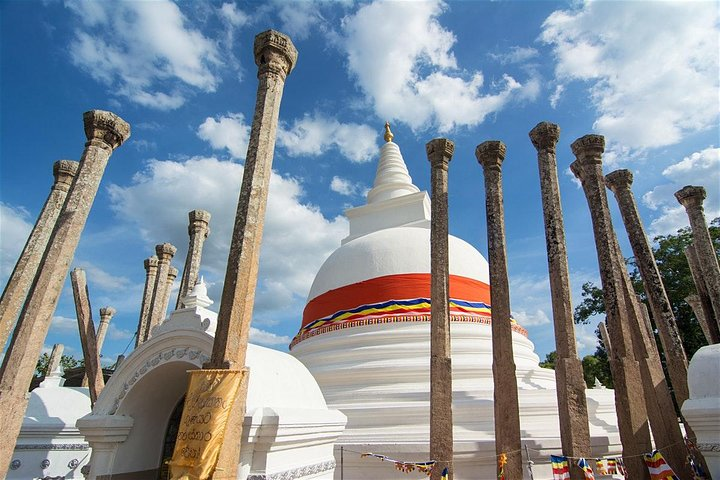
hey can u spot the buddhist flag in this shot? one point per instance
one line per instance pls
(600, 465)
(611, 466)
(583, 464)
(445, 474)
(659, 469)
(560, 468)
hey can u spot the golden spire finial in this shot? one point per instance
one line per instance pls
(388, 134)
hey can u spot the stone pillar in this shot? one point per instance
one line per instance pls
(106, 314)
(151, 266)
(439, 153)
(158, 305)
(275, 56)
(198, 230)
(26, 267)
(88, 339)
(605, 338)
(172, 275)
(105, 131)
(629, 398)
(507, 415)
(572, 403)
(619, 182)
(712, 336)
(692, 199)
(701, 287)
(55, 358)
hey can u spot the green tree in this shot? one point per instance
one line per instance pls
(550, 360)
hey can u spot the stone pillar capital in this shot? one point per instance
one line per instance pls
(545, 136)
(576, 169)
(151, 263)
(64, 171)
(691, 196)
(619, 180)
(165, 252)
(589, 148)
(106, 128)
(172, 274)
(490, 154)
(107, 312)
(440, 152)
(274, 53)
(199, 220)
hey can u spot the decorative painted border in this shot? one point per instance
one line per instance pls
(195, 356)
(481, 319)
(708, 447)
(296, 473)
(53, 446)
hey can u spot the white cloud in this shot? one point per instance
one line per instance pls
(298, 19)
(116, 333)
(649, 88)
(315, 135)
(230, 132)
(346, 187)
(15, 227)
(236, 17)
(297, 237)
(531, 319)
(701, 169)
(144, 51)
(402, 59)
(64, 325)
(515, 55)
(98, 278)
(263, 337)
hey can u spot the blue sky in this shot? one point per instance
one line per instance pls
(644, 74)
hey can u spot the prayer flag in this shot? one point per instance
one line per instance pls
(445, 474)
(600, 465)
(583, 464)
(659, 469)
(560, 468)
(502, 460)
(611, 466)
(621, 467)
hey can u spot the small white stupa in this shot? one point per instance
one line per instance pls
(365, 337)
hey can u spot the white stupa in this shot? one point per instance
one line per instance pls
(365, 337)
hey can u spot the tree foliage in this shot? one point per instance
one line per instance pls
(550, 360)
(66, 361)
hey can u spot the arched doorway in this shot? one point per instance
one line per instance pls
(170, 438)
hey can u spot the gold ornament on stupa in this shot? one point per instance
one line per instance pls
(388, 134)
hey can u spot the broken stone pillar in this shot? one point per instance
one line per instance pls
(619, 182)
(701, 287)
(158, 305)
(507, 416)
(55, 358)
(198, 230)
(692, 199)
(711, 335)
(26, 267)
(106, 314)
(629, 398)
(439, 153)
(88, 339)
(572, 403)
(172, 275)
(151, 266)
(605, 338)
(105, 132)
(275, 56)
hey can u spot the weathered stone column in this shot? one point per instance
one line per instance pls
(605, 338)
(572, 403)
(172, 275)
(55, 358)
(275, 56)
(198, 230)
(619, 182)
(629, 398)
(105, 131)
(26, 267)
(701, 287)
(158, 305)
(439, 153)
(712, 336)
(151, 266)
(507, 415)
(106, 314)
(692, 199)
(88, 339)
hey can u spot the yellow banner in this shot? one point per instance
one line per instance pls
(210, 396)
